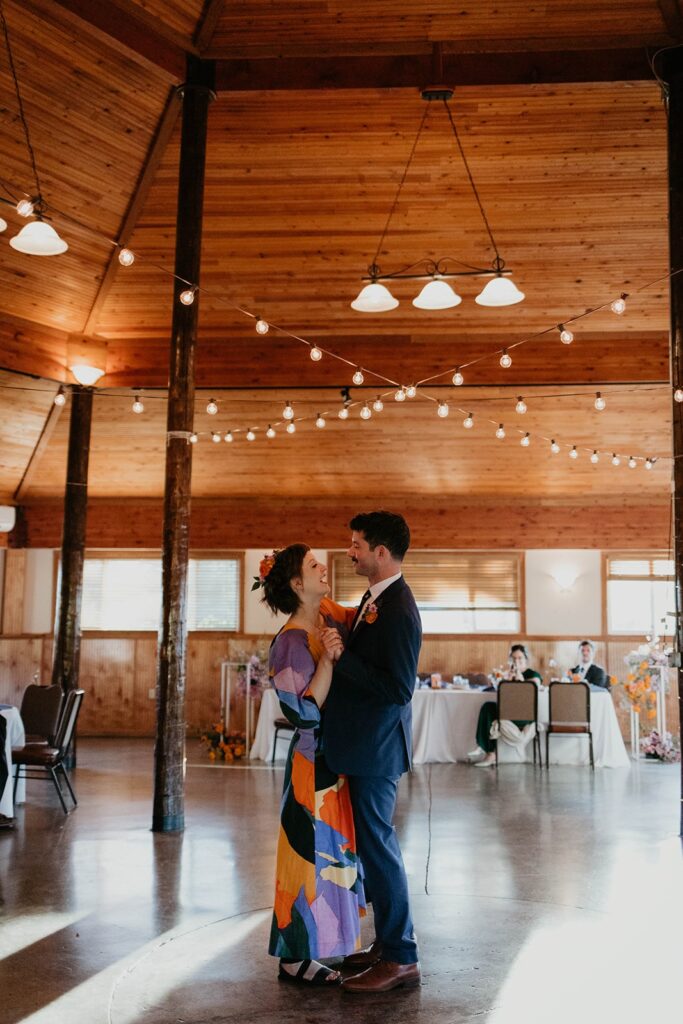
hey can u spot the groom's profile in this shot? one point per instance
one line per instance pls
(368, 738)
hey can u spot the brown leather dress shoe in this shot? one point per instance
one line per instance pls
(383, 976)
(364, 957)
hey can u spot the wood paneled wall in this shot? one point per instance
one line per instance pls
(435, 523)
(118, 673)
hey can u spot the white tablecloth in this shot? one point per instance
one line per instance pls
(15, 738)
(445, 726)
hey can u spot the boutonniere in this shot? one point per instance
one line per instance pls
(370, 614)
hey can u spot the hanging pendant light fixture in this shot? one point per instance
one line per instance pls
(36, 238)
(437, 294)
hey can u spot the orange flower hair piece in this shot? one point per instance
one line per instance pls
(265, 565)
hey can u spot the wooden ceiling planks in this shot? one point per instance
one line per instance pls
(265, 28)
(24, 407)
(405, 450)
(91, 114)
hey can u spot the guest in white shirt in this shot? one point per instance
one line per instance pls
(589, 672)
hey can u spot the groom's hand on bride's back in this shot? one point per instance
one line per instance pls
(332, 642)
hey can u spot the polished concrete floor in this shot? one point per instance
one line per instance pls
(538, 897)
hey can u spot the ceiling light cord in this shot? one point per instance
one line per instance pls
(22, 116)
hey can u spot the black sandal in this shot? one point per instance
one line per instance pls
(310, 973)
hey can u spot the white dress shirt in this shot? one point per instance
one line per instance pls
(375, 590)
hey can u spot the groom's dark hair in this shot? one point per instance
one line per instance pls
(386, 528)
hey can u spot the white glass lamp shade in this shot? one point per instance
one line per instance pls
(37, 238)
(3, 224)
(86, 375)
(437, 295)
(499, 291)
(374, 298)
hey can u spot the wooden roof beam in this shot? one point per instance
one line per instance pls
(207, 24)
(415, 70)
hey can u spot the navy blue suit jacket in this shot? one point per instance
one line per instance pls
(368, 724)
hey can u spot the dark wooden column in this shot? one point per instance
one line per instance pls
(67, 639)
(673, 73)
(168, 812)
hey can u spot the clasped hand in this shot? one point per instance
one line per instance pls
(332, 642)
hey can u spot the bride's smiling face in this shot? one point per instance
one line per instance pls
(313, 579)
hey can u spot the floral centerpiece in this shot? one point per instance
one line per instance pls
(646, 678)
(222, 746)
(660, 748)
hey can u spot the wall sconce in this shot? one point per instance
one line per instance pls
(565, 576)
(86, 375)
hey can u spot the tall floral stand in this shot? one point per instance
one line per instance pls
(660, 673)
(227, 670)
(635, 734)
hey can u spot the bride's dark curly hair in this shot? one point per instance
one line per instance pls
(277, 590)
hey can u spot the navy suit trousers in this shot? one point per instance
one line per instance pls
(374, 799)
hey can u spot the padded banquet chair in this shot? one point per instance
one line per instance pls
(518, 702)
(40, 707)
(570, 713)
(38, 758)
(281, 725)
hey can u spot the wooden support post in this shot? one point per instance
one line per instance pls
(168, 812)
(67, 642)
(673, 74)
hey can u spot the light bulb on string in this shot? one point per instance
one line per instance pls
(316, 354)
(251, 436)
(566, 336)
(500, 432)
(366, 412)
(678, 395)
(261, 326)
(215, 437)
(288, 412)
(616, 461)
(506, 360)
(25, 208)
(458, 379)
(270, 432)
(526, 440)
(126, 257)
(358, 377)
(573, 453)
(442, 410)
(554, 447)
(138, 405)
(343, 413)
(60, 397)
(468, 422)
(595, 458)
(187, 296)
(378, 404)
(291, 428)
(649, 463)
(632, 463)
(320, 422)
(411, 391)
(599, 402)
(521, 405)
(228, 437)
(400, 395)
(619, 305)
(212, 407)
(193, 438)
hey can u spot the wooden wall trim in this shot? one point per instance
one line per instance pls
(240, 523)
(13, 596)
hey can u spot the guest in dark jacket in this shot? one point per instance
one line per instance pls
(589, 672)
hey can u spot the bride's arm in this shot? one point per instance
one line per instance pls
(319, 686)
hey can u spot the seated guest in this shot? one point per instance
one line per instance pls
(589, 672)
(519, 671)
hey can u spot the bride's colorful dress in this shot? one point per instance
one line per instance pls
(319, 896)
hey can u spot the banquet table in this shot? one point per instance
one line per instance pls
(445, 725)
(15, 738)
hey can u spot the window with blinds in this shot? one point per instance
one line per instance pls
(640, 593)
(456, 592)
(124, 593)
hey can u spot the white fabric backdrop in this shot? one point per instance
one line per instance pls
(15, 738)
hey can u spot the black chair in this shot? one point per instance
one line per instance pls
(570, 714)
(40, 708)
(39, 758)
(281, 725)
(518, 702)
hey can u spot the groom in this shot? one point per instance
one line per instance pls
(368, 737)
